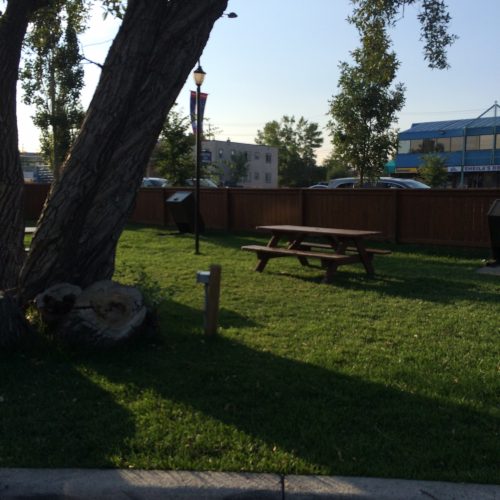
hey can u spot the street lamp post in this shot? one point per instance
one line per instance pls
(199, 76)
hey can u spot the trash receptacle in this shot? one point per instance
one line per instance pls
(494, 224)
(181, 206)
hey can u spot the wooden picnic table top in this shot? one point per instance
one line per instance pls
(320, 231)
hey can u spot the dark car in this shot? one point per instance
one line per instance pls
(383, 182)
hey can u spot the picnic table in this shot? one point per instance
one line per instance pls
(335, 247)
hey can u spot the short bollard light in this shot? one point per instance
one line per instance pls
(211, 280)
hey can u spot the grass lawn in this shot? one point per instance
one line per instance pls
(392, 376)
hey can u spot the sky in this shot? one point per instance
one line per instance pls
(281, 57)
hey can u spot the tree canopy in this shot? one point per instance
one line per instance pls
(433, 171)
(52, 77)
(237, 168)
(297, 142)
(173, 156)
(434, 21)
(365, 108)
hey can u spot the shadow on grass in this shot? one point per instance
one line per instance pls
(336, 423)
(52, 416)
(423, 282)
(94, 411)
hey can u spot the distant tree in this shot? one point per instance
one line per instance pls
(237, 167)
(433, 171)
(365, 108)
(317, 174)
(335, 168)
(173, 157)
(52, 77)
(297, 142)
(210, 131)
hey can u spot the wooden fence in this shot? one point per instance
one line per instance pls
(439, 217)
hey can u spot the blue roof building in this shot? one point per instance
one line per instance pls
(470, 147)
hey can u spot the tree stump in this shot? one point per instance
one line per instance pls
(14, 329)
(104, 315)
(56, 302)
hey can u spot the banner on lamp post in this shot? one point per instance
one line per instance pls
(194, 111)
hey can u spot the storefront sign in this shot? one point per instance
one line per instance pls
(475, 168)
(406, 170)
(206, 156)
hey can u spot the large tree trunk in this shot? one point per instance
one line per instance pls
(158, 44)
(13, 25)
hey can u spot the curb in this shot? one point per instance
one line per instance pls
(113, 484)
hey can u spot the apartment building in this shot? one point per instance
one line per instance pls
(262, 162)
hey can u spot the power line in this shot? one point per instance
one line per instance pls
(441, 112)
(98, 43)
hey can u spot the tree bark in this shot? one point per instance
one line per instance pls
(13, 25)
(156, 47)
(14, 329)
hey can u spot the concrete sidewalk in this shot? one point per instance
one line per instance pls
(76, 484)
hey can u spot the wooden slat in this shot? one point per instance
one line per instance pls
(285, 252)
(326, 246)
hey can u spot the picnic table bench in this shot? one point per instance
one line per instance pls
(341, 246)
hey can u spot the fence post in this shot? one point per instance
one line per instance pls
(395, 217)
(227, 215)
(301, 206)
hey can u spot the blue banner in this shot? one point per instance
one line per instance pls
(193, 110)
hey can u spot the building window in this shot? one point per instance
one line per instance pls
(256, 155)
(472, 142)
(456, 144)
(422, 146)
(256, 176)
(233, 152)
(498, 142)
(416, 146)
(221, 153)
(428, 146)
(268, 157)
(404, 147)
(268, 177)
(443, 145)
(486, 142)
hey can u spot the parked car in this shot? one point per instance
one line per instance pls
(320, 185)
(383, 182)
(204, 183)
(154, 182)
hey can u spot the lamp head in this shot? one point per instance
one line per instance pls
(199, 75)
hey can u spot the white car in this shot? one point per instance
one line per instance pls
(321, 185)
